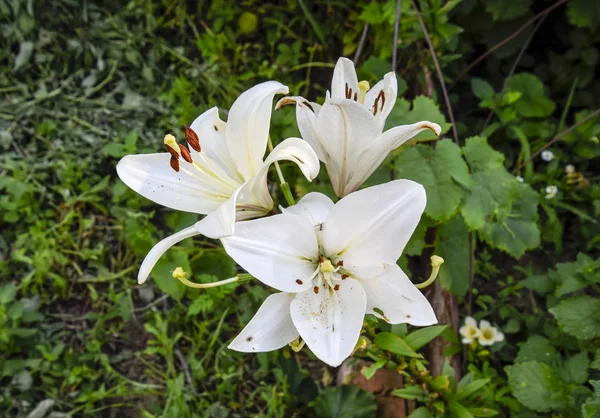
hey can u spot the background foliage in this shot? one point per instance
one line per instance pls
(86, 82)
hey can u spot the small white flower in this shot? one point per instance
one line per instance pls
(488, 335)
(570, 169)
(547, 155)
(551, 191)
(225, 177)
(333, 263)
(469, 330)
(346, 132)
(520, 179)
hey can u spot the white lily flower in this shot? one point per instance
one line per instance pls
(488, 335)
(347, 131)
(333, 264)
(222, 174)
(469, 330)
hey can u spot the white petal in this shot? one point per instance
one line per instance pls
(291, 149)
(277, 250)
(483, 324)
(151, 176)
(248, 126)
(270, 329)
(463, 331)
(372, 156)
(306, 118)
(371, 227)
(220, 222)
(211, 132)
(344, 75)
(389, 86)
(314, 206)
(159, 249)
(330, 321)
(470, 321)
(345, 128)
(397, 297)
(499, 337)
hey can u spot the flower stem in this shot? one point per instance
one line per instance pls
(285, 187)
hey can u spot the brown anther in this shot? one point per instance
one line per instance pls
(321, 259)
(382, 99)
(381, 96)
(173, 153)
(347, 91)
(336, 287)
(174, 163)
(316, 290)
(192, 138)
(299, 281)
(340, 263)
(344, 276)
(355, 98)
(185, 154)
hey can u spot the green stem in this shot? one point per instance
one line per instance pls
(285, 188)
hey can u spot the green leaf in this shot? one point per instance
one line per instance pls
(410, 393)
(115, 149)
(345, 401)
(471, 388)
(422, 336)
(506, 10)
(575, 368)
(162, 272)
(538, 387)
(452, 244)
(596, 363)
(8, 292)
(584, 13)
(482, 88)
(423, 108)
(483, 412)
(421, 412)
(440, 171)
(395, 344)
(501, 209)
(370, 371)
(538, 348)
(458, 410)
(533, 102)
(579, 317)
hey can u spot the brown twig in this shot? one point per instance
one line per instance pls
(361, 44)
(186, 370)
(556, 138)
(396, 30)
(439, 72)
(514, 34)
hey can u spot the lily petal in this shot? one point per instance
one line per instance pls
(330, 321)
(159, 249)
(291, 149)
(220, 222)
(314, 206)
(372, 156)
(280, 251)
(371, 227)
(271, 327)
(398, 299)
(211, 131)
(345, 128)
(344, 80)
(306, 118)
(151, 176)
(389, 87)
(248, 126)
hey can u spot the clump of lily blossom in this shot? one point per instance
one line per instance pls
(330, 263)
(484, 334)
(547, 155)
(551, 191)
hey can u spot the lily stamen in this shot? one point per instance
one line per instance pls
(436, 262)
(363, 87)
(180, 275)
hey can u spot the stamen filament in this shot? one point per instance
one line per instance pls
(239, 277)
(436, 262)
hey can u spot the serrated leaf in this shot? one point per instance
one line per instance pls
(162, 272)
(482, 88)
(538, 348)
(538, 387)
(575, 368)
(579, 317)
(438, 170)
(395, 344)
(506, 10)
(345, 401)
(452, 244)
(533, 102)
(423, 108)
(584, 13)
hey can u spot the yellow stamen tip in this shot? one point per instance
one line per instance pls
(171, 142)
(327, 267)
(179, 274)
(363, 87)
(436, 261)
